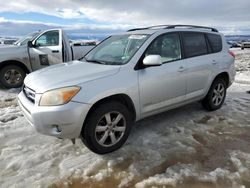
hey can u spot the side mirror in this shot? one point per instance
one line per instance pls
(30, 44)
(152, 60)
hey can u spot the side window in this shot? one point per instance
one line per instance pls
(215, 42)
(167, 46)
(194, 44)
(50, 38)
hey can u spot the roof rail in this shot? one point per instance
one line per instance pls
(135, 29)
(174, 26)
(192, 26)
(150, 27)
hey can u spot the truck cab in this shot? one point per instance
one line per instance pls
(35, 51)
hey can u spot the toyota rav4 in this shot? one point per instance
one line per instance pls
(127, 77)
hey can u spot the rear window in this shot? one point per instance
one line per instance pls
(194, 44)
(215, 42)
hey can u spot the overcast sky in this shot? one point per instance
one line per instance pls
(99, 16)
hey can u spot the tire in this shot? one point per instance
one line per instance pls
(100, 127)
(12, 76)
(216, 95)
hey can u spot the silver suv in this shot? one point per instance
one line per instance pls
(125, 78)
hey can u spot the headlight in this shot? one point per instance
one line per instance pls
(58, 96)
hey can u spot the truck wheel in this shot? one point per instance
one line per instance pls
(12, 76)
(107, 127)
(216, 95)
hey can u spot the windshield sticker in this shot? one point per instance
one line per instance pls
(138, 37)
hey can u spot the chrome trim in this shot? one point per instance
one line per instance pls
(29, 93)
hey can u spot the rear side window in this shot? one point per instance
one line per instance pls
(215, 42)
(194, 44)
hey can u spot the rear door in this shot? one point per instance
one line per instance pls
(47, 49)
(200, 64)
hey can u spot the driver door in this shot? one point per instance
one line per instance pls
(163, 86)
(46, 50)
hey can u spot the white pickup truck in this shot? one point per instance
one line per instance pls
(35, 51)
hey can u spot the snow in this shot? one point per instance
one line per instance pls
(185, 147)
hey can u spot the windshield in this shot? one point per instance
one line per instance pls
(25, 39)
(116, 50)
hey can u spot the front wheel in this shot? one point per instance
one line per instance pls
(12, 76)
(107, 127)
(216, 95)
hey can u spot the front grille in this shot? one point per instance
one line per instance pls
(29, 93)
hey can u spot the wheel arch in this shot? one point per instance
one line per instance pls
(122, 98)
(224, 76)
(16, 63)
(207, 102)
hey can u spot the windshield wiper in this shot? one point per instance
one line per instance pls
(100, 62)
(82, 58)
(95, 61)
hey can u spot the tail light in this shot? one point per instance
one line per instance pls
(231, 53)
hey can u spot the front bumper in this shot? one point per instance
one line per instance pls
(64, 121)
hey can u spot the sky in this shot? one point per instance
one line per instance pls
(105, 17)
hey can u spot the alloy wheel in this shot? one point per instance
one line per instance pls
(218, 94)
(110, 129)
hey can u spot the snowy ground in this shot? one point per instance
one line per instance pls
(185, 147)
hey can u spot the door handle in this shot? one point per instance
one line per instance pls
(55, 51)
(214, 62)
(181, 69)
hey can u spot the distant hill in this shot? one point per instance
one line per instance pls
(237, 38)
(87, 37)
(100, 37)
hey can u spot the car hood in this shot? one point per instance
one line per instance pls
(67, 74)
(10, 48)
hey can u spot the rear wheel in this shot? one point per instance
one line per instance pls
(107, 127)
(12, 76)
(216, 95)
